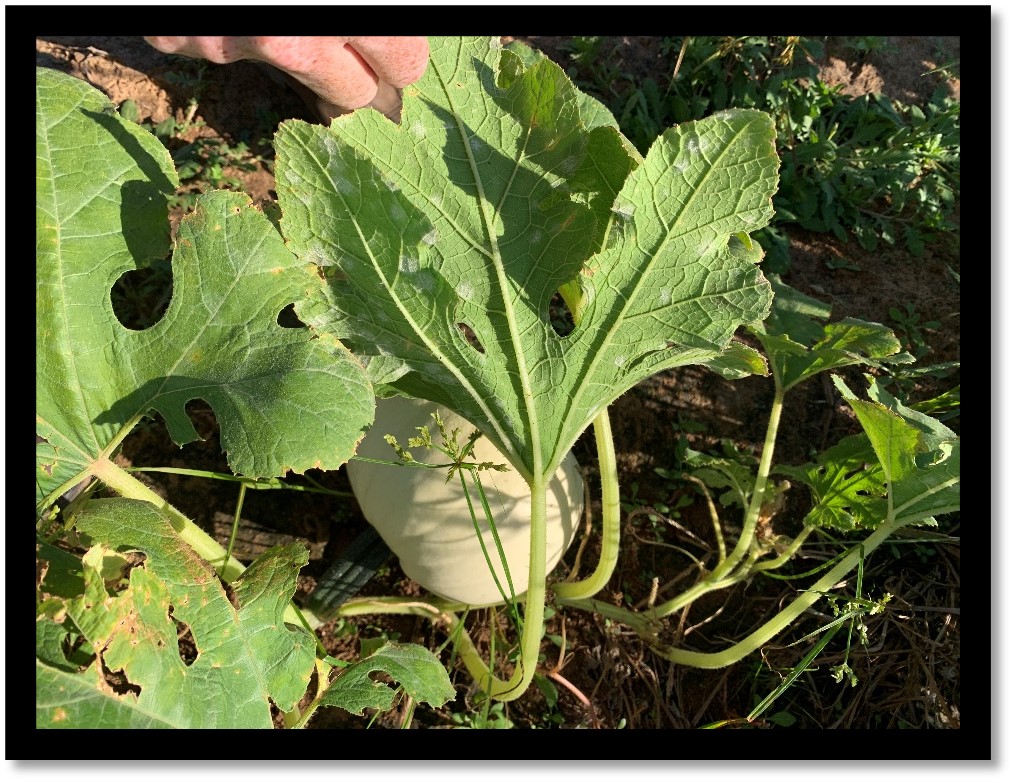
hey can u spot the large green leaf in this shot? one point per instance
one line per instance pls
(283, 400)
(245, 653)
(488, 197)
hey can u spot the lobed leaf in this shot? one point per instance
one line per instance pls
(444, 240)
(800, 347)
(100, 212)
(416, 670)
(905, 465)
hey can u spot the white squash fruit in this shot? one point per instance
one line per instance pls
(425, 520)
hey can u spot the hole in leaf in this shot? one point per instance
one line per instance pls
(72, 646)
(202, 417)
(288, 319)
(134, 560)
(560, 316)
(141, 297)
(118, 682)
(230, 594)
(471, 337)
(185, 642)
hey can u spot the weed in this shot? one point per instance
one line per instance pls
(850, 166)
(862, 46)
(910, 327)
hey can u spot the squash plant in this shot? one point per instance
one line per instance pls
(444, 241)
(425, 258)
(502, 186)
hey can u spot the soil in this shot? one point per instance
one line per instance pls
(909, 673)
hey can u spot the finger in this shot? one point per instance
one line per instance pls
(326, 65)
(397, 60)
(215, 48)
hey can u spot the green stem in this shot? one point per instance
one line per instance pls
(535, 605)
(235, 529)
(295, 720)
(269, 483)
(126, 485)
(434, 608)
(728, 572)
(788, 554)
(784, 618)
(641, 623)
(757, 498)
(646, 626)
(589, 586)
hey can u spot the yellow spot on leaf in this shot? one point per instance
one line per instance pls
(59, 714)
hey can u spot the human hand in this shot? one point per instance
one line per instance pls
(344, 72)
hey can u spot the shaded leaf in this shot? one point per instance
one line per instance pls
(901, 466)
(283, 400)
(800, 346)
(847, 484)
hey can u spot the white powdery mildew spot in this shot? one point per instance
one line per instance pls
(665, 295)
(437, 199)
(624, 211)
(344, 186)
(569, 165)
(535, 236)
(391, 185)
(724, 114)
(418, 130)
(693, 146)
(408, 265)
(681, 166)
(316, 256)
(619, 361)
(396, 213)
(475, 143)
(464, 290)
(430, 238)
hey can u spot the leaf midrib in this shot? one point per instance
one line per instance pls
(516, 344)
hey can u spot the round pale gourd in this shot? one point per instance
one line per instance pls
(425, 521)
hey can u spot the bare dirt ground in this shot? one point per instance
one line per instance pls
(909, 675)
